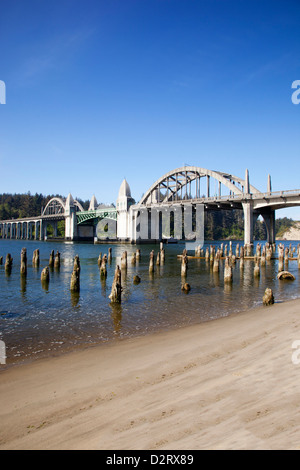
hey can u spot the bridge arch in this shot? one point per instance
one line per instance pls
(180, 180)
(55, 206)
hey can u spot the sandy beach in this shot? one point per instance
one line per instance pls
(224, 384)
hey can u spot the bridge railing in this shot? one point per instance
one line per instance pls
(233, 197)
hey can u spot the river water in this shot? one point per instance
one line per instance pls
(36, 322)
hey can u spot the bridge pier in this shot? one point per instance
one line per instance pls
(248, 222)
(269, 218)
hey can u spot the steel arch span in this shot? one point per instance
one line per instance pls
(184, 183)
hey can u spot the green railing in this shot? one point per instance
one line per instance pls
(99, 214)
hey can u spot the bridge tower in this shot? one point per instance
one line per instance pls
(124, 202)
(70, 219)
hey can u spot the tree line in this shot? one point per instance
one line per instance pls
(18, 206)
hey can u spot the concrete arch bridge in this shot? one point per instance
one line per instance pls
(175, 204)
(192, 188)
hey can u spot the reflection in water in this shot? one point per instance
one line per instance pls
(116, 315)
(23, 283)
(103, 286)
(45, 285)
(75, 296)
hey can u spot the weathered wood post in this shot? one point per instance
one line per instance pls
(8, 263)
(45, 276)
(75, 277)
(99, 259)
(57, 260)
(51, 259)
(280, 257)
(1, 260)
(23, 267)
(158, 259)
(103, 270)
(116, 290)
(268, 252)
(184, 265)
(258, 250)
(268, 298)
(256, 266)
(109, 258)
(226, 250)
(286, 256)
(36, 258)
(263, 256)
(216, 265)
(212, 254)
(138, 254)
(237, 250)
(124, 260)
(241, 257)
(151, 262)
(227, 270)
(133, 258)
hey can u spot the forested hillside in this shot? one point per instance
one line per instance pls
(14, 206)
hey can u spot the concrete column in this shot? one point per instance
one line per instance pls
(269, 218)
(188, 221)
(154, 223)
(248, 223)
(144, 224)
(166, 222)
(41, 229)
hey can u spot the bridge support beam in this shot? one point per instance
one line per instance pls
(269, 218)
(248, 222)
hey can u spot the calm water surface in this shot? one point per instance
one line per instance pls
(37, 322)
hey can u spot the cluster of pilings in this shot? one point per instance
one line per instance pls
(261, 255)
(157, 260)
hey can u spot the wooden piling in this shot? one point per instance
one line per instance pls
(45, 276)
(116, 290)
(103, 269)
(124, 260)
(133, 258)
(227, 271)
(51, 259)
(8, 263)
(57, 260)
(36, 258)
(23, 267)
(184, 265)
(75, 277)
(151, 262)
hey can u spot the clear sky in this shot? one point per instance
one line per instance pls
(99, 90)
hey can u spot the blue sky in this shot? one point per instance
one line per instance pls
(101, 90)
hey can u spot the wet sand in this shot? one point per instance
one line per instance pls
(224, 384)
